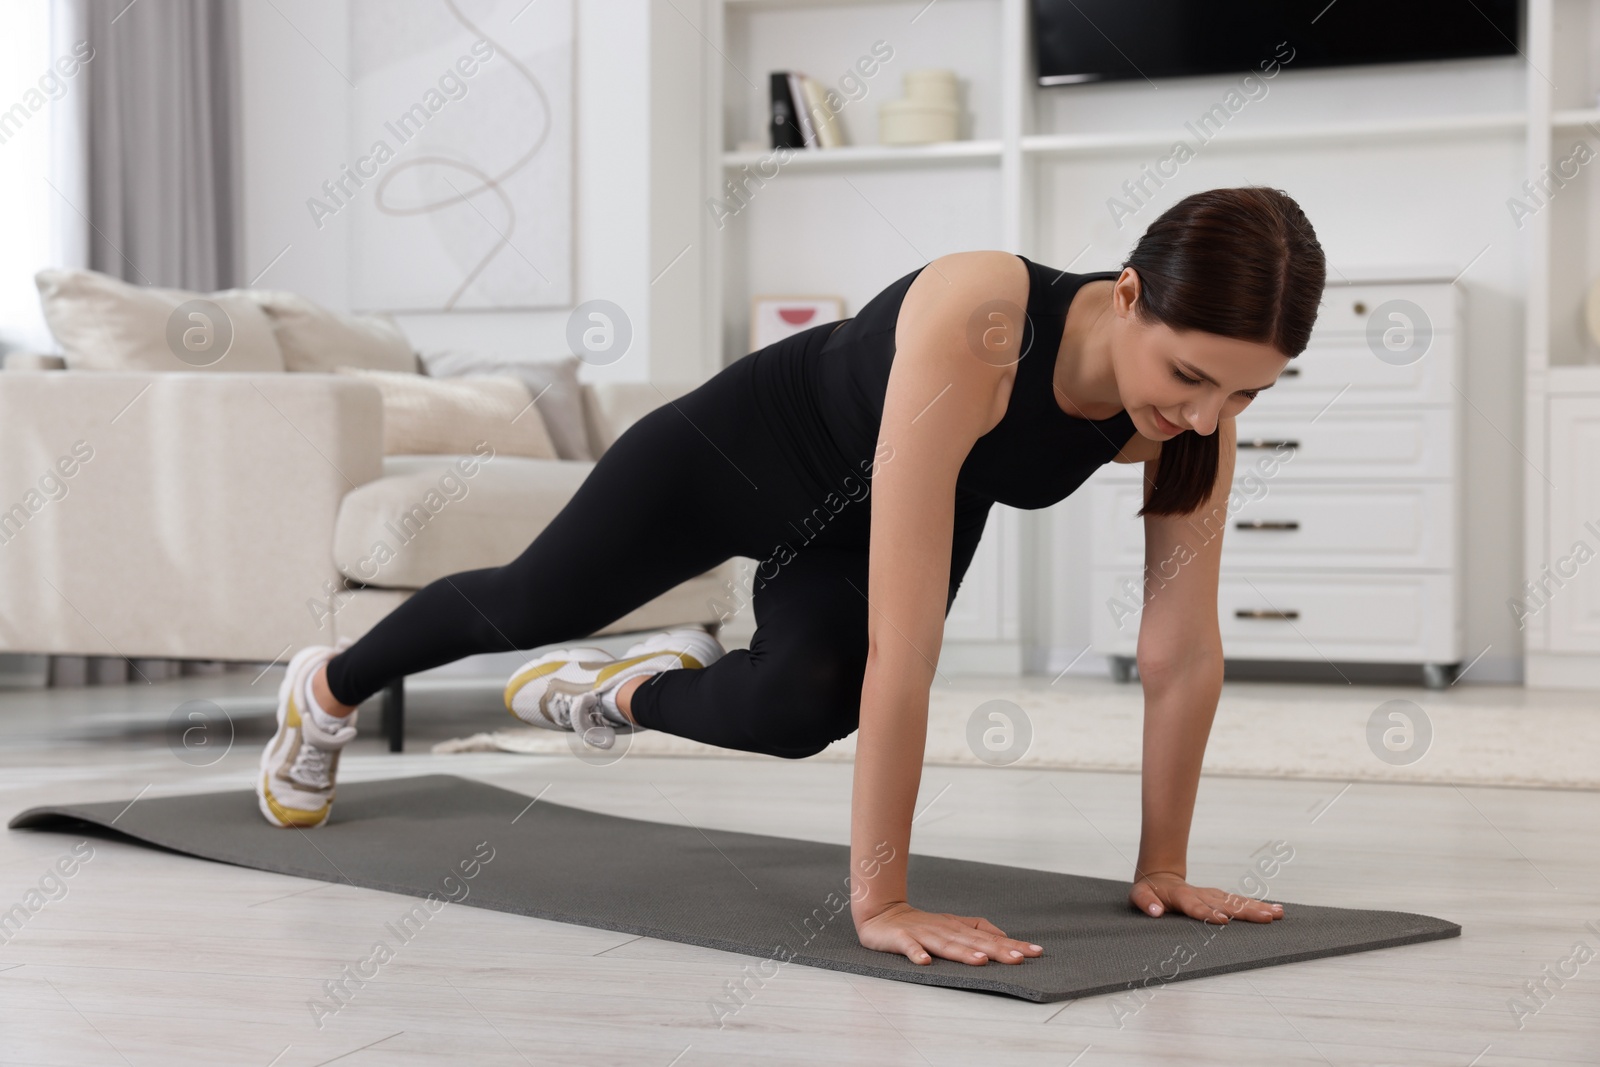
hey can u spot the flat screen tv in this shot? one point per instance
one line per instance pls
(1108, 40)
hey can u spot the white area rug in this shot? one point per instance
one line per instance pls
(1283, 737)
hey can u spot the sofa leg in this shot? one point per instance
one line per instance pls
(394, 713)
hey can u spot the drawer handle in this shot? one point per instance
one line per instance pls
(1267, 524)
(1261, 442)
(1289, 372)
(1263, 613)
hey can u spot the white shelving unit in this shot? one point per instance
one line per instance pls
(1025, 149)
(1561, 432)
(1365, 132)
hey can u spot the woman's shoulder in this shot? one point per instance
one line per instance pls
(971, 286)
(987, 269)
(960, 284)
(964, 305)
(985, 258)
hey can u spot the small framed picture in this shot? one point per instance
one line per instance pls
(772, 318)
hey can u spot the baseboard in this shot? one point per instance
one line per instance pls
(981, 657)
(23, 670)
(1486, 670)
(1558, 670)
(1079, 662)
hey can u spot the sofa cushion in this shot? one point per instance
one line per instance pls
(611, 407)
(430, 516)
(554, 382)
(316, 340)
(453, 416)
(103, 323)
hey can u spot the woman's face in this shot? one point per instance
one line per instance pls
(1173, 381)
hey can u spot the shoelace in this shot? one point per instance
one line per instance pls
(581, 713)
(311, 764)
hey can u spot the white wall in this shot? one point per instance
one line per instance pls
(295, 118)
(681, 331)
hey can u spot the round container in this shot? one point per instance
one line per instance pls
(931, 85)
(913, 122)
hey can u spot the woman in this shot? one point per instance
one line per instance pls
(980, 377)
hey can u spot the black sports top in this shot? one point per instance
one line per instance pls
(833, 379)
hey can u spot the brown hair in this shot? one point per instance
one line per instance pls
(1242, 263)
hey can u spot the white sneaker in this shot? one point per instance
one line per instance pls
(693, 647)
(295, 786)
(557, 692)
(575, 688)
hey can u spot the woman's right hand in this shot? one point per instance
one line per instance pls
(916, 934)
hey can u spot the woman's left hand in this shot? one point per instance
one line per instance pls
(1162, 891)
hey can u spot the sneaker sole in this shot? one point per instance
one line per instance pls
(290, 818)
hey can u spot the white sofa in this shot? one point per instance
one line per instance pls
(234, 516)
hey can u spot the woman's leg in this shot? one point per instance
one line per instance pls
(798, 686)
(663, 504)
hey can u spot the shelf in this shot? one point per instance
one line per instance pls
(1572, 379)
(745, 6)
(1068, 144)
(1567, 120)
(870, 156)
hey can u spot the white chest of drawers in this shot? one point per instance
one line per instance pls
(1343, 540)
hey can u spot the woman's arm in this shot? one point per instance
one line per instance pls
(1180, 667)
(941, 397)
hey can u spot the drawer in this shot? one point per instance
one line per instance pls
(1402, 618)
(1269, 524)
(1348, 444)
(1351, 371)
(1353, 310)
(1387, 445)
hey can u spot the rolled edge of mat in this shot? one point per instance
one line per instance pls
(51, 818)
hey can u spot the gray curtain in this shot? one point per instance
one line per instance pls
(161, 195)
(163, 145)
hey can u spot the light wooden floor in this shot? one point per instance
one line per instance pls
(152, 958)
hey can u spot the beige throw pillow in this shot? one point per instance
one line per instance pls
(104, 323)
(316, 340)
(429, 416)
(553, 381)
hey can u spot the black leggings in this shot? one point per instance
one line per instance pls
(692, 483)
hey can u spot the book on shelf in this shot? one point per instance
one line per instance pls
(802, 110)
(821, 115)
(799, 113)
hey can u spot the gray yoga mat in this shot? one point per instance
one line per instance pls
(773, 898)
